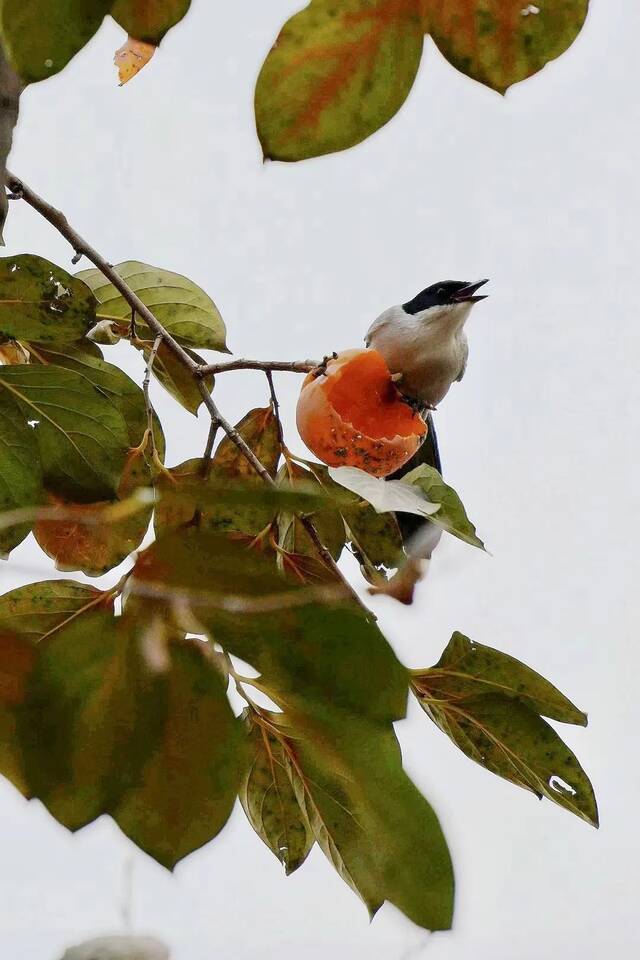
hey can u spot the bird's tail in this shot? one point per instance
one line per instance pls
(409, 523)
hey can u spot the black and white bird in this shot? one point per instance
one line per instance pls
(425, 346)
(424, 341)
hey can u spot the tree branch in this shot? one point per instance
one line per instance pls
(286, 366)
(57, 219)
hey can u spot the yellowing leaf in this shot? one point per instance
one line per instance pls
(500, 42)
(269, 799)
(337, 72)
(131, 57)
(182, 307)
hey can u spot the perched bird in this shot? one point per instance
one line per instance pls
(424, 342)
(425, 346)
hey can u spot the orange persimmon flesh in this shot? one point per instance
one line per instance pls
(353, 415)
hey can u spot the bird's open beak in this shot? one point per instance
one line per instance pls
(467, 294)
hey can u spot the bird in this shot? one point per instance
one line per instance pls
(424, 344)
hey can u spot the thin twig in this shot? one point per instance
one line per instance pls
(234, 436)
(286, 366)
(275, 406)
(205, 467)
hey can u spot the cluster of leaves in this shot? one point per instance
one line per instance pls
(339, 69)
(115, 701)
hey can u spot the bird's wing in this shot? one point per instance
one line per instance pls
(377, 325)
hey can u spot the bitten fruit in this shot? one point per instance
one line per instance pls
(352, 415)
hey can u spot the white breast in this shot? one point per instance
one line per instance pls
(429, 348)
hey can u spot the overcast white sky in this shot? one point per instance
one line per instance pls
(537, 191)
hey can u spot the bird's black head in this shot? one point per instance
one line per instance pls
(445, 292)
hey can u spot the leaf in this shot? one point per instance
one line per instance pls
(131, 58)
(11, 88)
(375, 537)
(326, 519)
(336, 74)
(371, 822)
(183, 309)
(82, 438)
(384, 495)
(190, 783)
(43, 35)
(20, 472)
(469, 669)
(174, 377)
(89, 719)
(451, 516)
(501, 42)
(125, 395)
(269, 800)
(306, 651)
(149, 20)
(38, 609)
(17, 658)
(40, 301)
(508, 738)
(229, 466)
(93, 540)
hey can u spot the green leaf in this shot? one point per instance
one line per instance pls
(336, 73)
(43, 35)
(269, 799)
(38, 609)
(451, 516)
(42, 302)
(307, 652)
(469, 669)
(89, 720)
(82, 438)
(375, 537)
(20, 472)
(179, 304)
(510, 739)
(369, 819)
(115, 385)
(247, 515)
(189, 785)
(17, 659)
(149, 20)
(500, 42)
(174, 377)
(326, 518)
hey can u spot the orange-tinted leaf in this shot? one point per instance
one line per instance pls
(101, 542)
(149, 19)
(500, 42)
(259, 429)
(131, 57)
(336, 74)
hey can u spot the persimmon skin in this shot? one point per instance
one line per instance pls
(352, 415)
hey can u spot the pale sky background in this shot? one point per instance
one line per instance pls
(537, 191)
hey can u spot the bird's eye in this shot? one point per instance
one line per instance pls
(441, 291)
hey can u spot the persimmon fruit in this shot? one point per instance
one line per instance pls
(353, 415)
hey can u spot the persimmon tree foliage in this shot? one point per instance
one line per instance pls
(114, 701)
